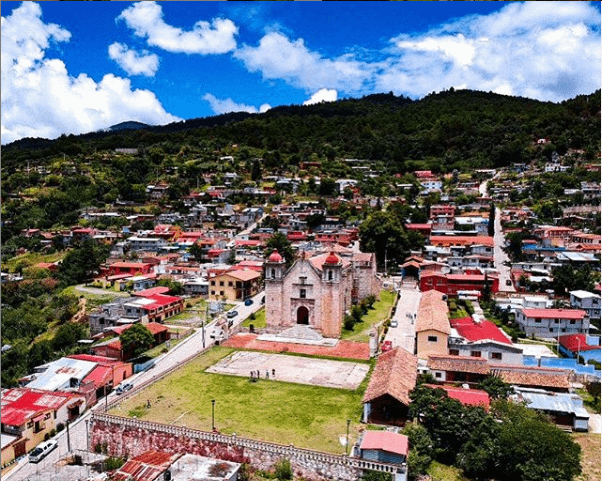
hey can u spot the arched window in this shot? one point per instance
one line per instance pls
(273, 273)
(329, 275)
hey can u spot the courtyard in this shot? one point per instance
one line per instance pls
(304, 415)
(296, 369)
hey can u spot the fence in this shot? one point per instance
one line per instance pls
(274, 450)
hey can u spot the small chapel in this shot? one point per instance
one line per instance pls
(318, 289)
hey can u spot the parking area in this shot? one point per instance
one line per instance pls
(296, 369)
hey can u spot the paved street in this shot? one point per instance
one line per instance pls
(407, 306)
(500, 258)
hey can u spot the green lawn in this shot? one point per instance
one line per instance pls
(443, 472)
(286, 413)
(259, 320)
(378, 313)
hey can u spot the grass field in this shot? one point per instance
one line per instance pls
(378, 313)
(286, 413)
(443, 472)
(259, 320)
(31, 258)
(590, 456)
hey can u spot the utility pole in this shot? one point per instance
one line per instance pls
(68, 439)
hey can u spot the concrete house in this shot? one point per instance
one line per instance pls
(432, 325)
(551, 323)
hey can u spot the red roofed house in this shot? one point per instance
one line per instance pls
(576, 345)
(384, 446)
(387, 397)
(468, 397)
(108, 372)
(131, 268)
(28, 415)
(482, 339)
(113, 348)
(551, 323)
(148, 466)
(451, 284)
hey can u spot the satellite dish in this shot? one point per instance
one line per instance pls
(445, 270)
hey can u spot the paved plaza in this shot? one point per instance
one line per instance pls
(297, 369)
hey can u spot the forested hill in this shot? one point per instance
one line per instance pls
(443, 131)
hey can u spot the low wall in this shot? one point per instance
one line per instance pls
(132, 437)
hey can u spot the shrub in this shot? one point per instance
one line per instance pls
(348, 322)
(113, 462)
(283, 469)
(60, 427)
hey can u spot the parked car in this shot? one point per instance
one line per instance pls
(387, 346)
(124, 387)
(231, 314)
(40, 451)
(394, 323)
(248, 302)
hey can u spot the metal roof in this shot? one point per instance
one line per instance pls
(555, 402)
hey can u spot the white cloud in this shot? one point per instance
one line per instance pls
(222, 106)
(322, 95)
(134, 63)
(41, 99)
(520, 50)
(277, 57)
(146, 19)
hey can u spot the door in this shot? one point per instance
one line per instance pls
(303, 315)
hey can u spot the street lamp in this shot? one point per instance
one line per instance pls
(347, 439)
(213, 415)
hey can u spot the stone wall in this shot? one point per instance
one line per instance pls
(131, 437)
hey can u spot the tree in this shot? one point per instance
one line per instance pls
(135, 340)
(196, 251)
(68, 335)
(256, 170)
(568, 278)
(284, 247)
(175, 288)
(496, 387)
(491, 224)
(421, 450)
(383, 234)
(328, 186)
(81, 263)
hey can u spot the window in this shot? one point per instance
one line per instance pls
(551, 330)
(273, 273)
(303, 293)
(221, 293)
(454, 352)
(475, 353)
(221, 283)
(432, 338)
(437, 374)
(213, 293)
(329, 275)
(496, 355)
(563, 329)
(573, 321)
(556, 321)
(538, 320)
(212, 283)
(230, 284)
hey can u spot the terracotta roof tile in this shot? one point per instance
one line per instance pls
(476, 365)
(432, 313)
(394, 374)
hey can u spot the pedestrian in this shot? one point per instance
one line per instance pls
(273, 372)
(148, 404)
(267, 374)
(251, 374)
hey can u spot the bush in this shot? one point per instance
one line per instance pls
(113, 462)
(348, 322)
(60, 427)
(283, 469)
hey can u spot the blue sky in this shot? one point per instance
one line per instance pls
(75, 67)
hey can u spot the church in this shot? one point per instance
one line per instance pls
(318, 289)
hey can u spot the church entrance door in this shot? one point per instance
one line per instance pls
(302, 315)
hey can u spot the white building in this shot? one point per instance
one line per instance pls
(588, 302)
(551, 323)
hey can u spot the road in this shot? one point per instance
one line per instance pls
(76, 441)
(500, 258)
(405, 311)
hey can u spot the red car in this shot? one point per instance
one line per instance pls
(387, 346)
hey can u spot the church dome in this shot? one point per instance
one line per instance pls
(275, 257)
(332, 259)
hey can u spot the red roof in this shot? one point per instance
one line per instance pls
(130, 265)
(21, 404)
(386, 441)
(152, 291)
(153, 327)
(161, 300)
(146, 467)
(576, 343)
(275, 257)
(478, 331)
(469, 397)
(99, 375)
(332, 259)
(93, 358)
(555, 313)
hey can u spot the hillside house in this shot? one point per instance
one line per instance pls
(551, 323)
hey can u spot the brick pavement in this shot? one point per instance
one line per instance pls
(343, 349)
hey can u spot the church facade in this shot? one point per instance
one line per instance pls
(317, 290)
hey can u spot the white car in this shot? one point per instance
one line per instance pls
(394, 323)
(39, 452)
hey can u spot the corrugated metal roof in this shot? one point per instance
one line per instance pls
(555, 402)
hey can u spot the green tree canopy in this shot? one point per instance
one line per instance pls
(279, 242)
(136, 340)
